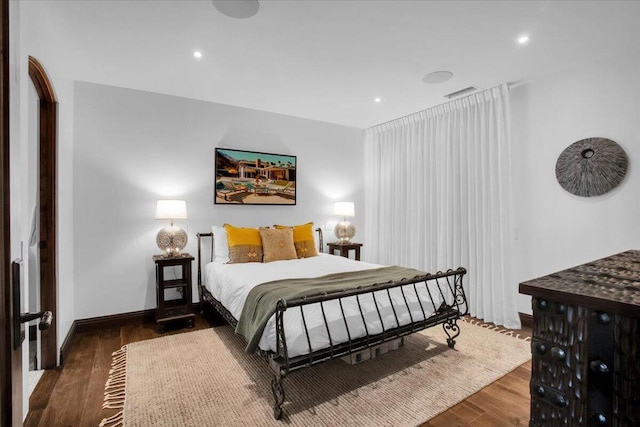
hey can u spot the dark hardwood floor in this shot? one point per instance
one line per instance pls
(72, 396)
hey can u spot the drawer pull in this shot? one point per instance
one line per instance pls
(543, 304)
(599, 367)
(600, 419)
(558, 353)
(604, 318)
(540, 391)
(540, 347)
(559, 400)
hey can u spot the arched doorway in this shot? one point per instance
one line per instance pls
(47, 205)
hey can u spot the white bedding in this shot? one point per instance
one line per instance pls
(231, 283)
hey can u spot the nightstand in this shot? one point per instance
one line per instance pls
(179, 308)
(344, 249)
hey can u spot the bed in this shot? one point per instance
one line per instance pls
(333, 307)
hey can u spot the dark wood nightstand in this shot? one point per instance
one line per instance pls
(176, 308)
(344, 249)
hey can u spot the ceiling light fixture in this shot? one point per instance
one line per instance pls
(437, 77)
(197, 54)
(523, 39)
(239, 9)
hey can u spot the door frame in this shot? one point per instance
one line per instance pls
(10, 358)
(48, 206)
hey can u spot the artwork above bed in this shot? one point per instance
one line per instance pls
(254, 178)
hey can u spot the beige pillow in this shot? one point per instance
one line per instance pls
(303, 239)
(277, 245)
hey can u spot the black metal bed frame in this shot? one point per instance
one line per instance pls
(453, 307)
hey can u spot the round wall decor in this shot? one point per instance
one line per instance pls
(591, 167)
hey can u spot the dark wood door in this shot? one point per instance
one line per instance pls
(10, 356)
(47, 201)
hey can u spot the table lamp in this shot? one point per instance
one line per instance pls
(171, 239)
(344, 231)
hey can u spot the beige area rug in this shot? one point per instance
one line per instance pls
(204, 378)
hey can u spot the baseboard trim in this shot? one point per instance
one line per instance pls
(94, 324)
(526, 320)
(65, 350)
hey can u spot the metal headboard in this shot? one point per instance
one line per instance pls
(200, 236)
(320, 243)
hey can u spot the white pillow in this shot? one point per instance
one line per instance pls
(220, 243)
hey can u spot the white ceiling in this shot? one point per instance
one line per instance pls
(328, 60)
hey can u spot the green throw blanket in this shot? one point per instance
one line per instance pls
(261, 301)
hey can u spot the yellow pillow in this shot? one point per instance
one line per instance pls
(245, 244)
(303, 239)
(277, 244)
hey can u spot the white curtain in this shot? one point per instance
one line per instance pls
(438, 196)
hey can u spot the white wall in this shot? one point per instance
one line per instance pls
(132, 148)
(555, 229)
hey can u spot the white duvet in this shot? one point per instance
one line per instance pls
(231, 283)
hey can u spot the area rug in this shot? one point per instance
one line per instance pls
(204, 378)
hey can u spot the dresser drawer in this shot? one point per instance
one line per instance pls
(559, 358)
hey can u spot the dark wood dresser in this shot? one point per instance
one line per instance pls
(586, 344)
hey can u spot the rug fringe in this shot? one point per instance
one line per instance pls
(116, 420)
(494, 328)
(114, 388)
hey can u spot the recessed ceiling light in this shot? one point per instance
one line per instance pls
(197, 54)
(524, 39)
(239, 9)
(377, 100)
(437, 77)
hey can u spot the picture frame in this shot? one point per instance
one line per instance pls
(254, 178)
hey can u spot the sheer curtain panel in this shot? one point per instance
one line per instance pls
(438, 196)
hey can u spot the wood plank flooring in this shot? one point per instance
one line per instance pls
(72, 396)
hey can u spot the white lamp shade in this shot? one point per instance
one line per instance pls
(171, 209)
(344, 209)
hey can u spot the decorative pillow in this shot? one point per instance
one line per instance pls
(303, 239)
(278, 244)
(220, 242)
(245, 244)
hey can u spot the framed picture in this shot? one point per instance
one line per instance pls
(254, 178)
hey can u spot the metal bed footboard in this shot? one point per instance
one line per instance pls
(445, 312)
(454, 305)
(450, 291)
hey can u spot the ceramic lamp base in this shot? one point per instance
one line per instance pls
(171, 240)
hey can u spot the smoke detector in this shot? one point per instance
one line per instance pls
(437, 77)
(239, 9)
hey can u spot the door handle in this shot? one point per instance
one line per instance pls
(18, 317)
(45, 319)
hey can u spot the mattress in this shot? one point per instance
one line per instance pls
(230, 284)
